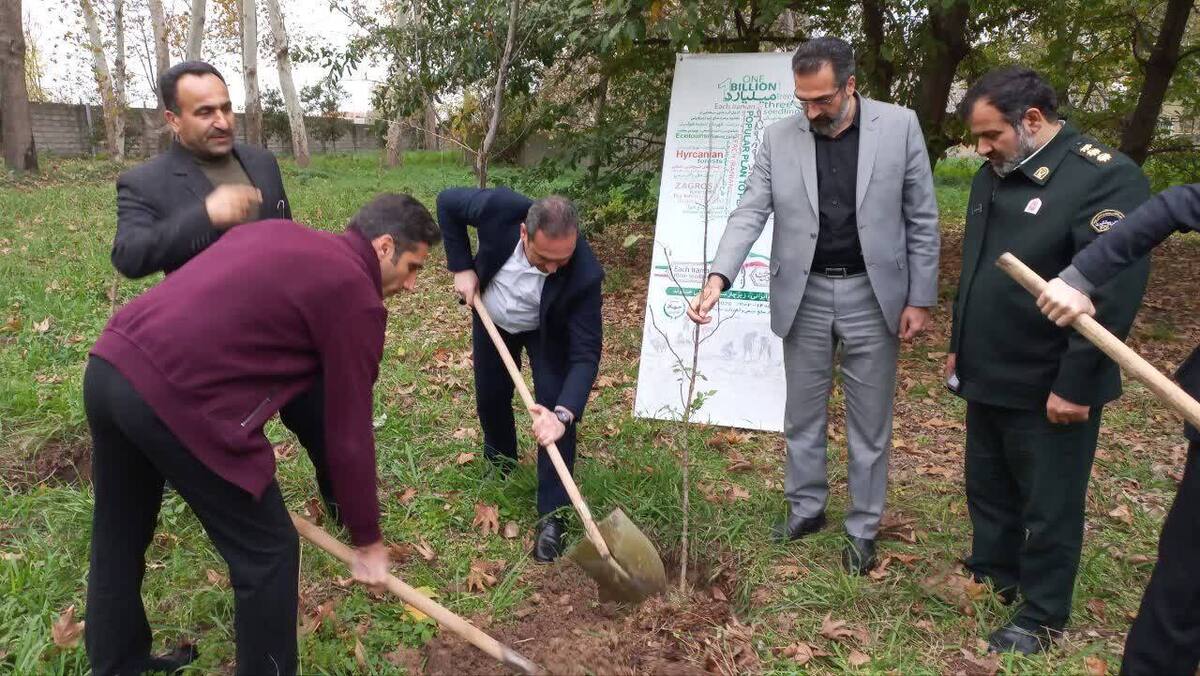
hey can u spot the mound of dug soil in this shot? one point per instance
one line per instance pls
(55, 463)
(563, 628)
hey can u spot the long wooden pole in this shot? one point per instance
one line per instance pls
(509, 657)
(1137, 368)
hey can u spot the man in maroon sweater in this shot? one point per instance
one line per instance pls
(179, 386)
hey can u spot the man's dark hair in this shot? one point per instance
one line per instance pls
(814, 54)
(1013, 90)
(401, 216)
(168, 82)
(554, 215)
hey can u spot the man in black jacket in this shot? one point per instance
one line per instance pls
(540, 281)
(175, 205)
(1165, 638)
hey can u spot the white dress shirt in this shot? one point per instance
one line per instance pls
(514, 296)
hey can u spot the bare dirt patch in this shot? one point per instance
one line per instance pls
(56, 463)
(563, 628)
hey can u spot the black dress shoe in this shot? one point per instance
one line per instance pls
(1014, 639)
(795, 528)
(547, 544)
(859, 555)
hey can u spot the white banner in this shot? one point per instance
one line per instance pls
(720, 105)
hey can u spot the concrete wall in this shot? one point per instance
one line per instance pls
(74, 130)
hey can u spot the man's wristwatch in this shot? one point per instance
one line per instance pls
(564, 416)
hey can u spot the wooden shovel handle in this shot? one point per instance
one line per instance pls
(1139, 369)
(585, 514)
(514, 660)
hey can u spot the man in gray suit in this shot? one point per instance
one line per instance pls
(854, 262)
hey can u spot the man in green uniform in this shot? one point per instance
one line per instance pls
(1034, 391)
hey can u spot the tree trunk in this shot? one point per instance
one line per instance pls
(119, 77)
(394, 157)
(945, 47)
(162, 62)
(1159, 68)
(16, 131)
(250, 73)
(196, 30)
(431, 124)
(481, 160)
(599, 151)
(104, 83)
(878, 70)
(287, 86)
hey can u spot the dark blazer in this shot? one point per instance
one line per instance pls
(161, 219)
(571, 325)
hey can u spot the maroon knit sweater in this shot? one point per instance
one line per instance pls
(230, 337)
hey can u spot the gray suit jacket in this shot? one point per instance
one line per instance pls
(896, 211)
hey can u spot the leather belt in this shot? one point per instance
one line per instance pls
(841, 271)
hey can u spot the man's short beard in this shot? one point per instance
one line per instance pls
(835, 122)
(1026, 146)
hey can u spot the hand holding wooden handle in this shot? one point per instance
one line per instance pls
(1137, 368)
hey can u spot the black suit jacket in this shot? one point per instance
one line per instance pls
(161, 219)
(571, 328)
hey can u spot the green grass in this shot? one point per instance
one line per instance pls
(54, 241)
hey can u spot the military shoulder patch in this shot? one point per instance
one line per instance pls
(1095, 152)
(1104, 220)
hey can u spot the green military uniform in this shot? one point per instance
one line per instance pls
(1026, 478)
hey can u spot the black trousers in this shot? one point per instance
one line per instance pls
(494, 404)
(305, 416)
(133, 452)
(1165, 638)
(1026, 493)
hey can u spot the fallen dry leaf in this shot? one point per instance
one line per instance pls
(412, 611)
(425, 550)
(487, 518)
(465, 433)
(1095, 666)
(315, 511)
(1122, 514)
(803, 653)
(956, 589)
(737, 463)
(464, 458)
(1098, 608)
(480, 578)
(735, 492)
(858, 658)
(987, 665)
(717, 594)
(360, 654)
(407, 495)
(284, 452)
(511, 530)
(312, 622)
(836, 630)
(399, 552)
(65, 631)
(42, 326)
(216, 579)
(898, 527)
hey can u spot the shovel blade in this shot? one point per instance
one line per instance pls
(636, 554)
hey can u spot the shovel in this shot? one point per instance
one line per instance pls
(628, 571)
(505, 655)
(1134, 366)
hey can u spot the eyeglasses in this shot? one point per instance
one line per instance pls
(822, 102)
